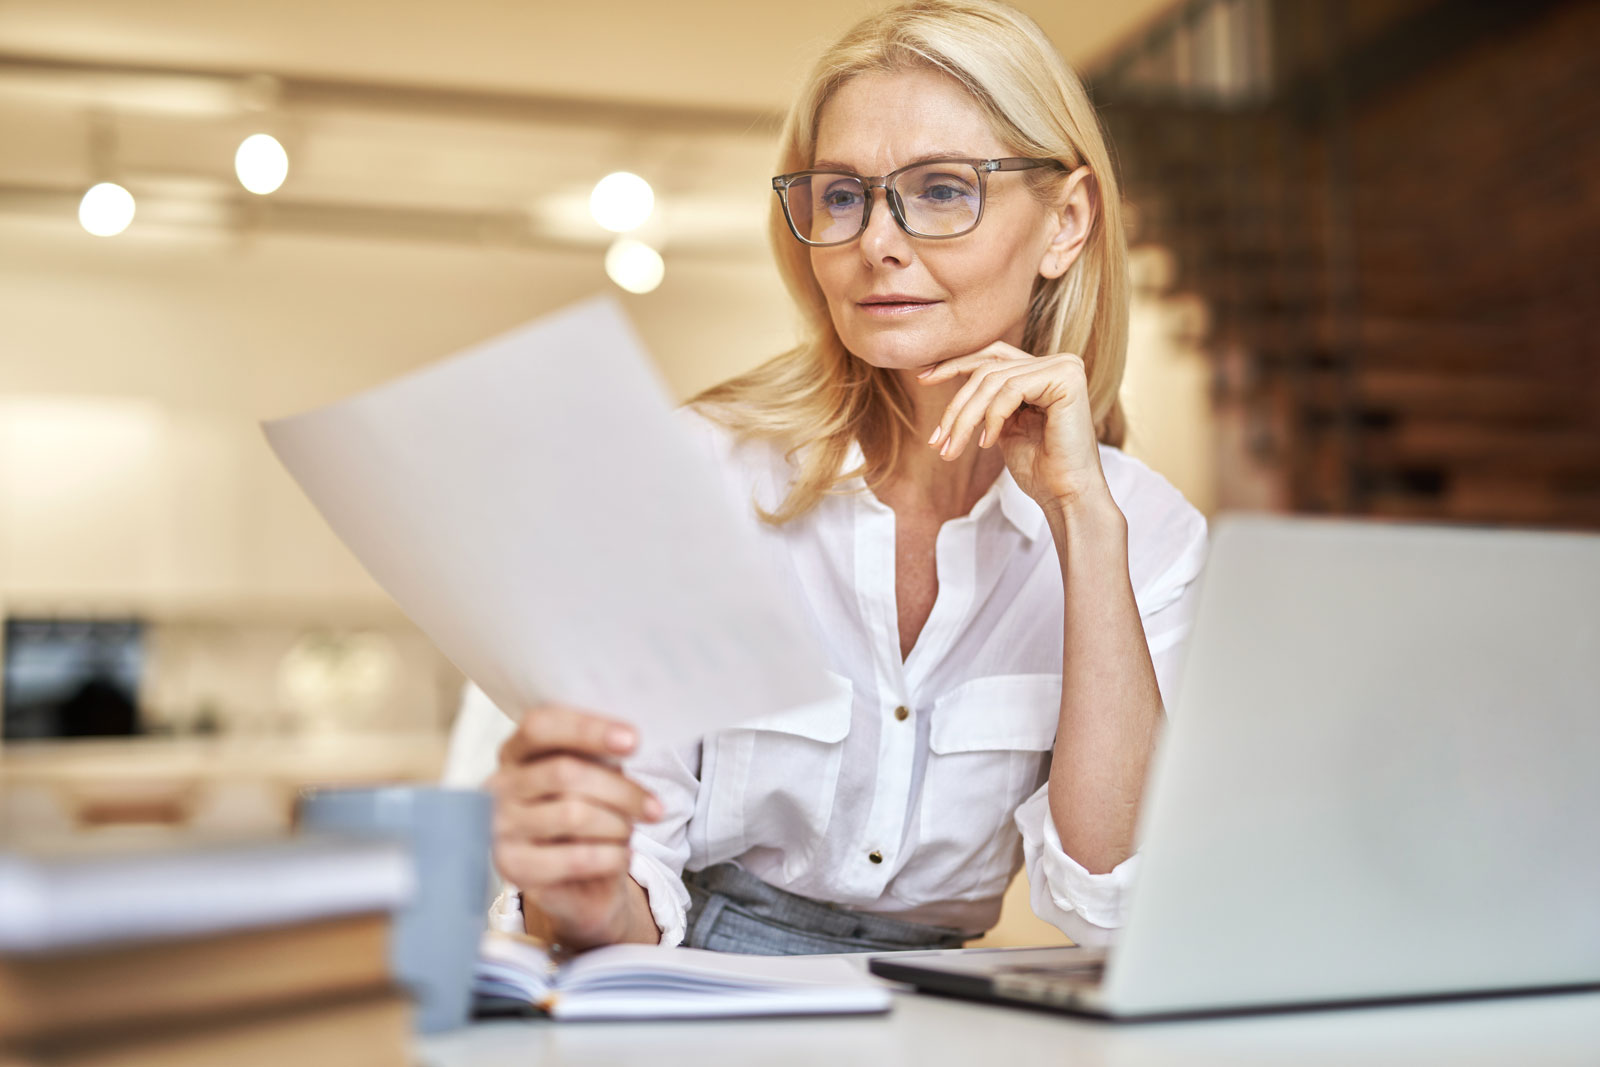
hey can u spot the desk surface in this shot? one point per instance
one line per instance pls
(924, 1031)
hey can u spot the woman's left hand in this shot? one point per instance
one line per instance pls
(1036, 408)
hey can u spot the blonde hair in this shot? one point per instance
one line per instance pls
(817, 397)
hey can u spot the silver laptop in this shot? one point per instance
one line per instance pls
(1380, 780)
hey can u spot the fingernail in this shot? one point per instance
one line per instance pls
(925, 373)
(983, 438)
(944, 448)
(620, 738)
(937, 430)
(653, 809)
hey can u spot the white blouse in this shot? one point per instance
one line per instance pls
(919, 787)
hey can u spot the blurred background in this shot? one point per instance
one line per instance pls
(1363, 265)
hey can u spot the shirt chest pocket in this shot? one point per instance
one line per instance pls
(772, 781)
(990, 740)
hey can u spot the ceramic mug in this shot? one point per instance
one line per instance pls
(434, 945)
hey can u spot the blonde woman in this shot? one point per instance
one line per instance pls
(1001, 591)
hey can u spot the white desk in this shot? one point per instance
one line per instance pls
(925, 1031)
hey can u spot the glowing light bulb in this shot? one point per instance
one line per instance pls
(621, 201)
(261, 163)
(106, 209)
(634, 265)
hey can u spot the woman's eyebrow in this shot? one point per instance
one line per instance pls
(923, 157)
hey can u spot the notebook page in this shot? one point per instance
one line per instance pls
(649, 981)
(693, 968)
(511, 967)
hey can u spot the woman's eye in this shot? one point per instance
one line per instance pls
(836, 198)
(944, 189)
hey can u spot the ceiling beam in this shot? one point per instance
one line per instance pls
(289, 92)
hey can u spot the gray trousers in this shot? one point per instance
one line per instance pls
(731, 910)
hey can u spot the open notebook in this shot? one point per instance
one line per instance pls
(651, 982)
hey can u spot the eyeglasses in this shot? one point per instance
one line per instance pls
(933, 199)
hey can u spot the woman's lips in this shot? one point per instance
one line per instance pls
(888, 308)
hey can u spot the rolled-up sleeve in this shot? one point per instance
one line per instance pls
(660, 849)
(1087, 907)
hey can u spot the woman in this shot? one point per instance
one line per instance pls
(1001, 591)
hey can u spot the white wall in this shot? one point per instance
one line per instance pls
(133, 373)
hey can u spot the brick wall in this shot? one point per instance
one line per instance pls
(1397, 241)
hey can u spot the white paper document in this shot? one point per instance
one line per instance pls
(534, 506)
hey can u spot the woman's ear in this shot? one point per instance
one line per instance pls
(1072, 220)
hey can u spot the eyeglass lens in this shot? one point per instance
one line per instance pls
(938, 199)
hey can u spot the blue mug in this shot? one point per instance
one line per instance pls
(434, 945)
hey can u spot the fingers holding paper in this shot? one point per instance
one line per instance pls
(564, 776)
(555, 728)
(585, 868)
(562, 819)
(563, 814)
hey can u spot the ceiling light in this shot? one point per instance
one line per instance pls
(621, 201)
(261, 163)
(634, 265)
(106, 209)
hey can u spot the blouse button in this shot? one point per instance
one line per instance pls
(875, 856)
(902, 713)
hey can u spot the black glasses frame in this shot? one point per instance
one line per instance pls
(984, 167)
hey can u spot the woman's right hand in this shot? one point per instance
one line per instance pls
(563, 814)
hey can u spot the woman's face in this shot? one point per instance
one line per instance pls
(947, 297)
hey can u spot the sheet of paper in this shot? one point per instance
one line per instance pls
(534, 506)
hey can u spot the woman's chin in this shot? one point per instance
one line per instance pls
(904, 354)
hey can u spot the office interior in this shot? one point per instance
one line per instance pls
(1362, 262)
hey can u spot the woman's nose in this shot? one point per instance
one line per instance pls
(883, 239)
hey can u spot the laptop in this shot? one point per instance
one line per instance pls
(1380, 780)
